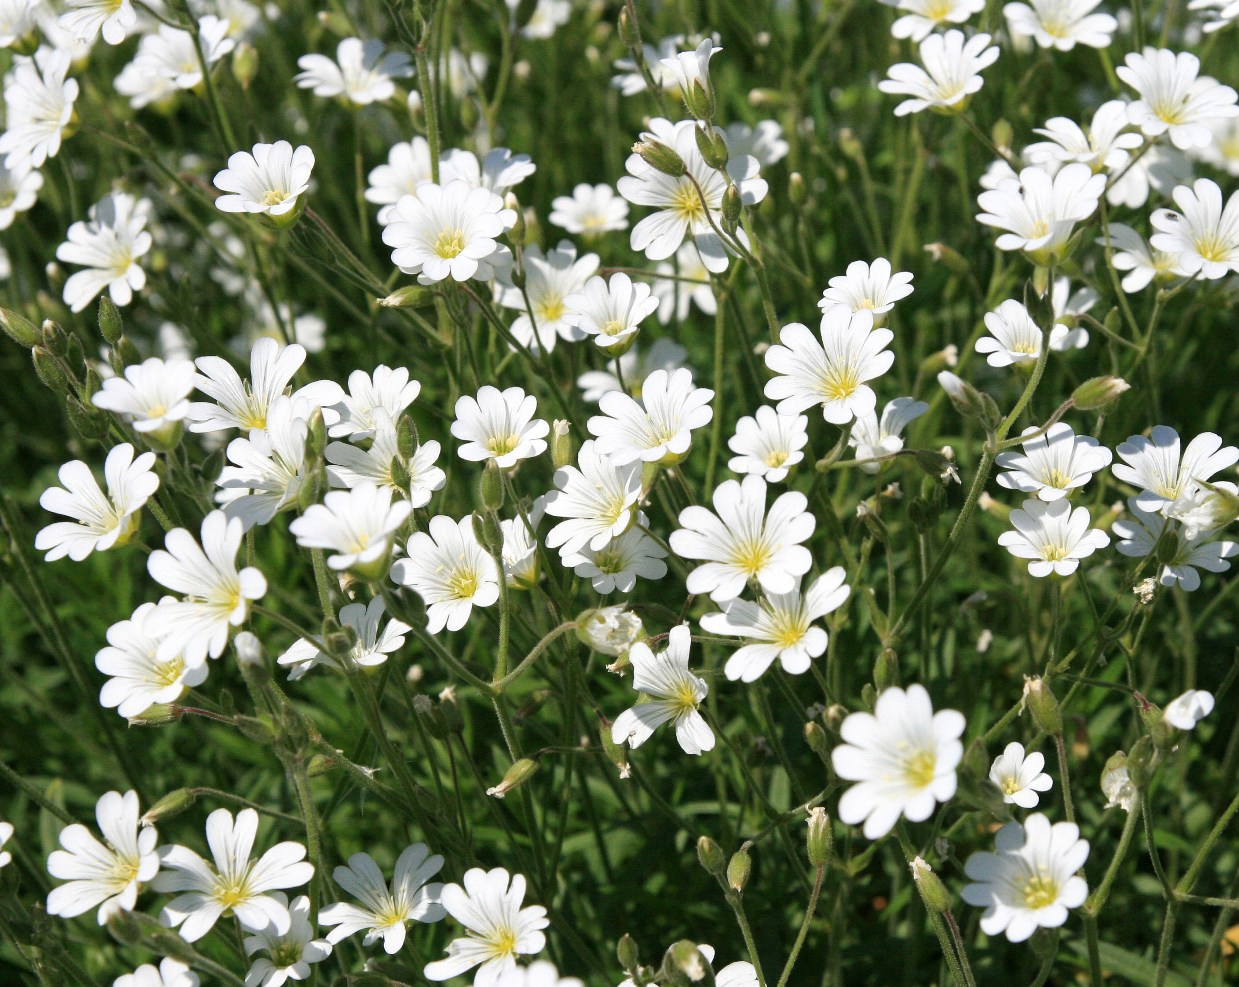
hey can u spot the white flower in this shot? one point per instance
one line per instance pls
(1054, 464)
(464, 73)
(269, 179)
(101, 521)
(6, 834)
(385, 912)
(265, 475)
(39, 100)
(630, 81)
(673, 692)
(1188, 709)
(867, 287)
(764, 141)
(780, 627)
(832, 372)
(741, 543)
(635, 366)
(681, 211)
(540, 973)
(357, 524)
(85, 19)
(620, 561)
(1223, 12)
(1116, 784)
(499, 171)
(498, 928)
(873, 438)
(362, 73)
(546, 17)
(902, 756)
(236, 884)
(549, 281)
(1052, 536)
(17, 19)
(153, 396)
(1174, 98)
(1015, 338)
(388, 389)
(1144, 264)
(520, 546)
(1158, 169)
(170, 973)
(499, 426)
(596, 498)
(408, 166)
(447, 231)
(217, 596)
(167, 61)
(1204, 234)
(289, 953)
(610, 310)
(952, 73)
(1031, 881)
(1223, 150)
(350, 466)
(1039, 210)
(369, 650)
(1141, 537)
(1061, 24)
(19, 190)
(610, 630)
(109, 247)
(1020, 777)
(682, 285)
(246, 403)
(923, 16)
(590, 210)
(768, 444)
(1154, 465)
(1103, 146)
(139, 678)
(656, 429)
(105, 874)
(450, 571)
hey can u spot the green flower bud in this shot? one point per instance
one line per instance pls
(1098, 392)
(711, 144)
(933, 893)
(797, 190)
(520, 772)
(1040, 307)
(410, 296)
(51, 372)
(1040, 701)
(627, 954)
(738, 869)
(886, 670)
(710, 856)
(700, 102)
(629, 32)
(815, 737)
(517, 235)
(172, 804)
(684, 963)
(732, 207)
(128, 352)
(19, 329)
(245, 64)
(1142, 762)
(111, 326)
(955, 262)
(563, 452)
(88, 422)
(970, 402)
(820, 837)
(490, 487)
(406, 437)
(158, 715)
(660, 157)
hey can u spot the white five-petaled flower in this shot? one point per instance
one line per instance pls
(741, 543)
(114, 19)
(656, 429)
(780, 627)
(1052, 536)
(1020, 777)
(674, 695)
(1061, 24)
(868, 287)
(269, 179)
(830, 369)
(1054, 464)
(39, 103)
(952, 73)
(369, 650)
(152, 395)
(1223, 13)
(1031, 881)
(1014, 337)
(388, 388)
(550, 279)
(873, 438)
(681, 211)
(362, 73)
(498, 928)
(139, 677)
(1187, 710)
(1103, 145)
(385, 911)
(922, 17)
(631, 81)
(590, 210)
(596, 499)
(265, 470)
(682, 285)
(690, 68)
(498, 171)
(19, 190)
(104, 874)
(902, 757)
(171, 59)
(447, 231)
(768, 444)
(216, 596)
(1038, 210)
(1204, 234)
(1174, 98)
(109, 246)
(236, 884)
(1143, 264)
(499, 426)
(635, 366)
(357, 524)
(450, 571)
(620, 561)
(350, 465)
(1141, 536)
(100, 521)
(1154, 464)
(289, 953)
(169, 973)
(610, 310)
(408, 167)
(764, 140)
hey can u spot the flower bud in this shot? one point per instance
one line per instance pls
(886, 670)
(738, 869)
(970, 402)
(111, 326)
(815, 737)
(157, 715)
(1040, 701)
(659, 156)
(937, 465)
(125, 927)
(520, 772)
(627, 954)
(410, 296)
(609, 630)
(50, 372)
(490, 487)
(617, 754)
(245, 64)
(933, 893)
(88, 421)
(1040, 307)
(1002, 134)
(406, 437)
(629, 32)
(1098, 392)
(700, 102)
(953, 260)
(820, 837)
(249, 650)
(732, 207)
(128, 352)
(797, 190)
(1142, 762)
(710, 856)
(1116, 783)
(172, 804)
(562, 451)
(518, 234)
(711, 144)
(19, 329)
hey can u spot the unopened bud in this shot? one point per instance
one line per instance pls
(937, 465)
(128, 352)
(712, 146)
(410, 296)
(50, 372)
(172, 804)
(710, 855)
(1142, 761)
(490, 487)
(1040, 701)
(732, 207)
(738, 869)
(245, 64)
(954, 261)
(125, 927)
(609, 630)
(111, 326)
(820, 837)
(406, 438)
(685, 964)
(249, 650)
(886, 670)
(517, 775)
(933, 893)
(88, 421)
(54, 338)
(1116, 783)
(1040, 307)
(1097, 392)
(797, 190)
(970, 402)
(19, 329)
(1002, 133)
(815, 737)
(562, 451)
(700, 102)
(850, 145)
(518, 234)
(617, 754)
(156, 715)
(627, 953)
(659, 156)
(629, 33)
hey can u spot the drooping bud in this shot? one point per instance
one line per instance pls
(627, 953)
(970, 402)
(732, 207)
(815, 737)
(710, 856)
(50, 372)
(1098, 392)
(659, 156)
(172, 804)
(1116, 783)
(1040, 701)
(950, 257)
(711, 144)
(933, 893)
(410, 296)
(684, 963)
(820, 837)
(738, 869)
(19, 329)
(520, 772)
(111, 326)
(609, 630)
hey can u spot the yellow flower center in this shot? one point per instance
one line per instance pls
(776, 458)
(839, 383)
(609, 561)
(503, 943)
(1054, 553)
(938, 10)
(501, 445)
(686, 203)
(612, 328)
(1057, 478)
(918, 769)
(274, 196)
(550, 309)
(789, 630)
(1212, 248)
(449, 243)
(1039, 891)
(1010, 785)
(232, 895)
(463, 583)
(751, 555)
(684, 698)
(168, 673)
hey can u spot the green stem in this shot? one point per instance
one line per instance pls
(804, 927)
(499, 685)
(737, 906)
(1068, 805)
(32, 793)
